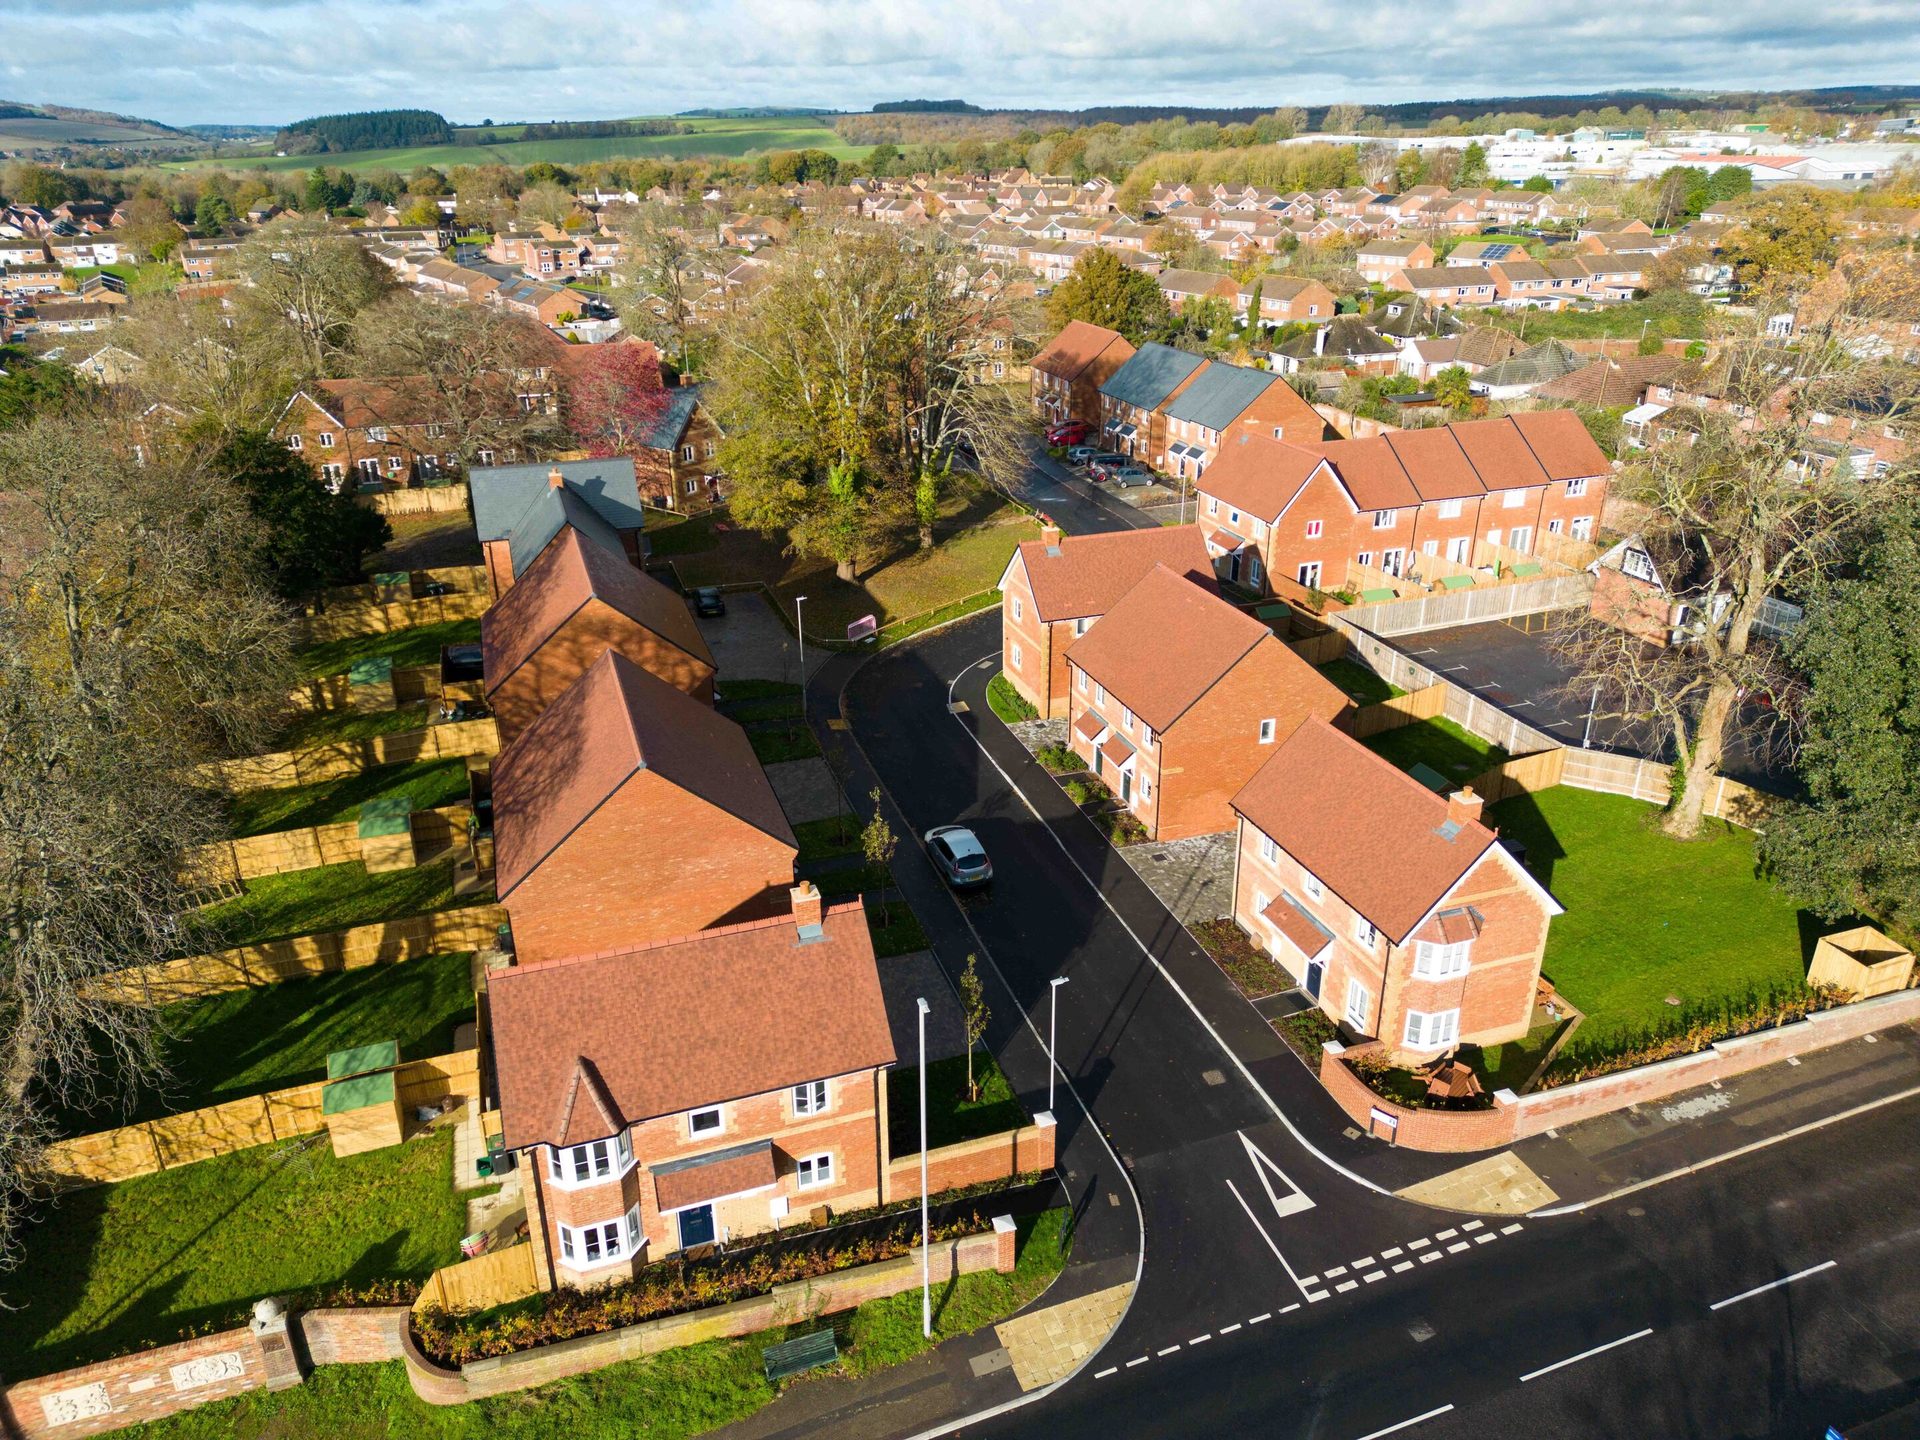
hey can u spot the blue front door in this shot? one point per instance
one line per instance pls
(696, 1226)
(1316, 971)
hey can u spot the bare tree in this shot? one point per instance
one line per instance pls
(1377, 161)
(133, 647)
(1745, 508)
(231, 371)
(311, 276)
(664, 271)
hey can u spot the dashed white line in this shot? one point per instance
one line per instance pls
(1404, 1424)
(1429, 1257)
(1513, 1229)
(1389, 1254)
(1316, 1299)
(1484, 1239)
(1336, 1272)
(1306, 1280)
(1376, 1275)
(1420, 1244)
(1141, 1361)
(1168, 1351)
(1403, 1265)
(1586, 1354)
(1457, 1247)
(1363, 1262)
(1110, 1370)
(1201, 1339)
(1446, 1234)
(1346, 1285)
(1262, 1319)
(1772, 1285)
(1288, 1310)
(1471, 1225)
(1229, 1329)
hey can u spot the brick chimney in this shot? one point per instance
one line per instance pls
(1050, 535)
(556, 479)
(807, 909)
(1463, 806)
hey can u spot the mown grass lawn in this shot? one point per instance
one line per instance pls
(1648, 917)
(416, 645)
(428, 542)
(776, 744)
(309, 728)
(327, 897)
(951, 1116)
(121, 1267)
(894, 928)
(972, 544)
(1509, 1066)
(671, 1396)
(1438, 744)
(824, 839)
(1359, 682)
(249, 1041)
(427, 783)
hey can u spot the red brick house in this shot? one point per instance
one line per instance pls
(1176, 698)
(394, 431)
(1446, 285)
(697, 1090)
(575, 603)
(1286, 300)
(1067, 375)
(1183, 287)
(677, 462)
(1056, 587)
(1310, 511)
(1133, 402)
(629, 811)
(1223, 400)
(1395, 908)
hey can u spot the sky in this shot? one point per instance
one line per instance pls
(272, 61)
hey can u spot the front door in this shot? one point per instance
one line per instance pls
(696, 1226)
(1126, 787)
(1233, 567)
(1316, 972)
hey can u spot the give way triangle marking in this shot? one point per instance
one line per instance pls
(1292, 1200)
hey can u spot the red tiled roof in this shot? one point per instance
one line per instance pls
(1089, 724)
(1561, 443)
(569, 573)
(1226, 540)
(1371, 471)
(1369, 832)
(728, 1172)
(403, 400)
(1117, 749)
(609, 725)
(727, 1013)
(1435, 462)
(1257, 474)
(1092, 572)
(1299, 927)
(1075, 348)
(1500, 455)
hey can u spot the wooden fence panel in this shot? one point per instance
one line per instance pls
(419, 500)
(280, 852)
(428, 1082)
(1422, 704)
(378, 619)
(1522, 775)
(1320, 649)
(1467, 607)
(411, 684)
(450, 741)
(497, 1278)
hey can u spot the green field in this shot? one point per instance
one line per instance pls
(728, 139)
(34, 132)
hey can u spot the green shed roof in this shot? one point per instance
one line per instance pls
(361, 1059)
(385, 815)
(357, 1093)
(374, 670)
(393, 577)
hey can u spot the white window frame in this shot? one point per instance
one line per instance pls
(1019, 656)
(1080, 681)
(811, 1098)
(719, 1126)
(1576, 488)
(325, 437)
(1267, 728)
(1554, 526)
(1019, 610)
(294, 442)
(1432, 1029)
(1126, 719)
(813, 1172)
(571, 1166)
(1269, 851)
(377, 434)
(1448, 509)
(1582, 527)
(1315, 529)
(1513, 499)
(1438, 960)
(1364, 933)
(1359, 1005)
(1384, 519)
(603, 1242)
(1364, 559)
(1310, 883)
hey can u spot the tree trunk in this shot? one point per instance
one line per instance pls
(1702, 765)
(926, 537)
(843, 569)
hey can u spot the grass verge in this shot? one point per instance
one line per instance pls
(327, 897)
(1438, 744)
(121, 1267)
(828, 839)
(1008, 703)
(792, 742)
(427, 783)
(951, 1116)
(894, 928)
(671, 1396)
(1358, 681)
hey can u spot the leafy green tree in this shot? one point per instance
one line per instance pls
(1729, 182)
(310, 537)
(1473, 165)
(1539, 184)
(213, 214)
(877, 844)
(975, 1015)
(28, 184)
(30, 387)
(1453, 387)
(1788, 237)
(1855, 844)
(1104, 290)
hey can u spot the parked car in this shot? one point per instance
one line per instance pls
(1081, 454)
(1103, 461)
(959, 855)
(708, 601)
(1067, 432)
(1128, 476)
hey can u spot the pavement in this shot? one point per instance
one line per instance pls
(749, 642)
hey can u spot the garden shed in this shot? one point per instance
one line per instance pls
(361, 1099)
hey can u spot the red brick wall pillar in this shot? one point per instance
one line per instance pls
(1004, 1238)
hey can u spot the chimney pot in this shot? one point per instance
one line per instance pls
(807, 908)
(1463, 806)
(556, 479)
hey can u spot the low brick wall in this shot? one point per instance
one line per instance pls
(353, 1337)
(134, 1388)
(1515, 1117)
(1025, 1151)
(786, 1305)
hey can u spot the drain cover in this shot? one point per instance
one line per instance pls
(958, 707)
(1351, 1133)
(1213, 1077)
(991, 1361)
(1421, 1331)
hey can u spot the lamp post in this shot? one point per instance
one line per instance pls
(926, 1253)
(800, 631)
(1053, 1029)
(1586, 740)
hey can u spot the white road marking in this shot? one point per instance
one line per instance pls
(1429, 1257)
(1389, 1254)
(1310, 1280)
(1484, 1239)
(1772, 1285)
(1403, 1265)
(1335, 1272)
(1262, 1319)
(1512, 1229)
(1586, 1354)
(1283, 1206)
(1289, 1309)
(1404, 1424)
(1168, 1351)
(1362, 1264)
(1141, 1361)
(1446, 1234)
(1266, 1237)
(1457, 1247)
(1201, 1339)
(1418, 1244)
(1229, 1329)
(1472, 1225)
(1346, 1285)
(1376, 1275)
(1110, 1370)
(1316, 1298)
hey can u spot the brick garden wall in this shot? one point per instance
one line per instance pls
(353, 1337)
(134, 1388)
(975, 1162)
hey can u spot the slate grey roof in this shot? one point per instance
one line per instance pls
(672, 424)
(1220, 395)
(502, 493)
(1548, 360)
(550, 512)
(1154, 372)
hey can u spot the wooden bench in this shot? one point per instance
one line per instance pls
(807, 1353)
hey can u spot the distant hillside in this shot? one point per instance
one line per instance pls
(926, 107)
(364, 130)
(231, 132)
(29, 128)
(751, 112)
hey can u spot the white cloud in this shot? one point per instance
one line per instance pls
(274, 60)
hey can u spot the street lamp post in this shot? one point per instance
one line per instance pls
(1586, 740)
(800, 630)
(1053, 1029)
(926, 1252)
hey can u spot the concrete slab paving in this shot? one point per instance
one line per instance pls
(750, 643)
(805, 789)
(907, 978)
(1192, 877)
(1047, 1345)
(1037, 735)
(1498, 1185)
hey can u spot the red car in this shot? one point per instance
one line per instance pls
(1068, 432)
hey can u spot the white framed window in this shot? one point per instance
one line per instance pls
(1449, 510)
(686, 452)
(570, 1165)
(811, 1098)
(377, 434)
(333, 474)
(1019, 609)
(1513, 499)
(1269, 851)
(1554, 527)
(436, 430)
(1019, 656)
(1493, 536)
(1392, 560)
(1359, 1005)
(294, 442)
(1383, 519)
(1576, 488)
(486, 457)
(1431, 1030)
(1435, 961)
(1213, 506)
(1266, 732)
(1314, 529)
(1308, 574)
(1233, 517)
(1364, 559)
(396, 463)
(812, 1171)
(705, 1122)
(1126, 719)
(1146, 736)
(1081, 626)
(325, 437)
(1364, 932)
(1582, 528)
(1430, 547)
(602, 1243)
(1310, 883)
(1099, 694)
(1080, 681)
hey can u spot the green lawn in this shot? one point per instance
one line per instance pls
(1358, 681)
(1439, 744)
(1509, 1066)
(894, 928)
(1008, 703)
(429, 541)
(825, 839)
(328, 897)
(248, 1041)
(671, 1396)
(427, 783)
(1669, 316)
(309, 728)
(121, 1267)
(1648, 917)
(951, 1116)
(973, 542)
(416, 645)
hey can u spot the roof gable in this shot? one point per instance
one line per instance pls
(502, 493)
(1260, 475)
(1086, 575)
(1153, 373)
